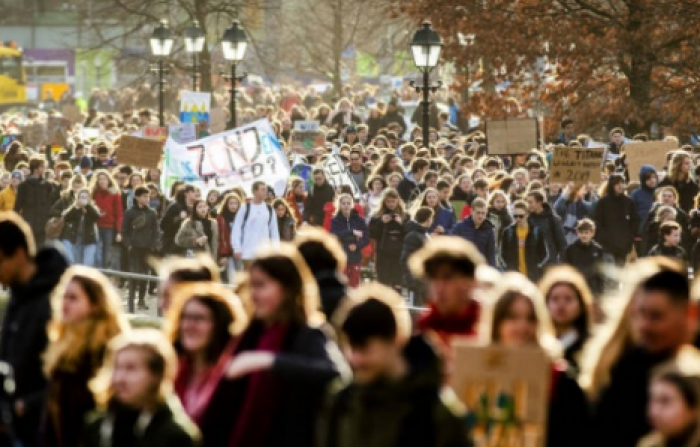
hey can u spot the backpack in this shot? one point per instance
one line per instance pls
(245, 219)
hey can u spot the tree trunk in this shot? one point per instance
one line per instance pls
(337, 47)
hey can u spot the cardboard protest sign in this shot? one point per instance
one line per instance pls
(576, 165)
(306, 143)
(155, 133)
(183, 133)
(647, 153)
(217, 120)
(194, 107)
(506, 390)
(237, 157)
(139, 152)
(511, 136)
(72, 113)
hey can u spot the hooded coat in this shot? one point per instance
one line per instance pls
(23, 338)
(643, 197)
(552, 230)
(409, 412)
(616, 222)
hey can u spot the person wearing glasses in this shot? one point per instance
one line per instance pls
(523, 248)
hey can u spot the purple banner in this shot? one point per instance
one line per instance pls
(47, 55)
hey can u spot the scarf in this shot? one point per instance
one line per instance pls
(262, 397)
(195, 397)
(463, 323)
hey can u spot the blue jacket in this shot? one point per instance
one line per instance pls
(342, 228)
(483, 237)
(444, 218)
(643, 197)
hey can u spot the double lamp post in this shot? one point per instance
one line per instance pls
(234, 44)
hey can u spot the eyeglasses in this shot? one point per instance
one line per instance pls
(519, 216)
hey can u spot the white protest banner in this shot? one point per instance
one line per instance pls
(183, 133)
(237, 157)
(194, 107)
(338, 175)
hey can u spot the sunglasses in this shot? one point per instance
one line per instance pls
(519, 216)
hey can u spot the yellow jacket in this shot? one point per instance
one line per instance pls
(7, 199)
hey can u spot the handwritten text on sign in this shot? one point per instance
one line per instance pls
(576, 165)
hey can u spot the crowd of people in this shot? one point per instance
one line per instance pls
(309, 349)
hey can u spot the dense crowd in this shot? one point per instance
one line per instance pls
(305, 348)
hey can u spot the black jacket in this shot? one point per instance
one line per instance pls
(73, 228)
(616, 223)
(170, 225)
(34, 200)
(137, 233)
(535, 251)
(415, 239)
(552, 230)
(569, 415)
(408, 189)
(586, 259)
(686, 192)
(24, 338)
(315, 201)
(333, 291)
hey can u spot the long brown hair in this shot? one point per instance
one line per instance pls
(566, 275)
(390, 193)
(675, 172)
(113, 188)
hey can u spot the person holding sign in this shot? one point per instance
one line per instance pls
(520, 320)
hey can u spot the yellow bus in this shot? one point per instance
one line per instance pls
(13, 78)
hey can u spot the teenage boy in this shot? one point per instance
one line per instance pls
(139, 237)
(481, 189)
(255, 226)
(670, 235)
(409, 187)
(523, 248)
(406, 371)
(416, 237)
(478, 230)
(586, 255)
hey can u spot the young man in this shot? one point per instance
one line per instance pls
(479, 231)
(523, 248)
(568, 133)
(617, 139)
(35, 197)
(255, 226)
(321, 194)
(358, 171)
(546, 220)
(31, 277)
(586, 256)
(643, 199)
(405, 371)
(658, 328)
(616, 220)
(481, 189)
(139, 237)
(670, 239)
(409, 187)
(408, 154)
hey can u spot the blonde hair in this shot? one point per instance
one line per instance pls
(69, 343)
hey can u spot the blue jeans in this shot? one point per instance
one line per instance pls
(70, 251)
(85, 254)
(104, 248)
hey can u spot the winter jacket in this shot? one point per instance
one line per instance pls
(140, 228)
(535, 251)
(571, 213)
(287, 228)
(111, 210)
(81, 224)
(225, 249)
(686, 192)
(389, 236)
(444, 218)
(23, 337)
(34, 200)
(500, 220)
(650, 234)
(395, 117)
(407, 412)
(7, 199)
(616, 223)
(643, 197)
(484, 237)
(670, 252)
(291, 200)
(342, 227)
(169, 426)
(408, 189)
(170, 225)
(416, 237)
(194, 229)
(552, 230)
(587, 259)
(315, 201)
(569, 418)
(64, 202)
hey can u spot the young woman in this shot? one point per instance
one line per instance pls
(668, 196)
(199, 233)
(390, 163)
(351, 230)
(520, 320)
(569, 302)
(80, 228)
(157, 200)
(282, 364)
(107, 197)
(285, 221)
(134, 390)
(393, 180)
(64, 202)
(662, 214)
(499, 214)
(373, 196)
(224, 221)
(674, 404)
(462, 195)
(203, 324)
(443, 219)
(87, 314)
(213, 200)
(135, 180)
(387, 228)
(153, 176)
(679, 177)
(296, 197)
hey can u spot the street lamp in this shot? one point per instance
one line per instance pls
(426, 46)
(161, 46)
(234, 44)
(194, 44)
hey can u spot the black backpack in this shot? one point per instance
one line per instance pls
(245, 219)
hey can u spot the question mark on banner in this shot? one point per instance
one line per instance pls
(271, 162)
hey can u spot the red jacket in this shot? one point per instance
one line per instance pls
(110, 205)
(225, 249)
(291, 200)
